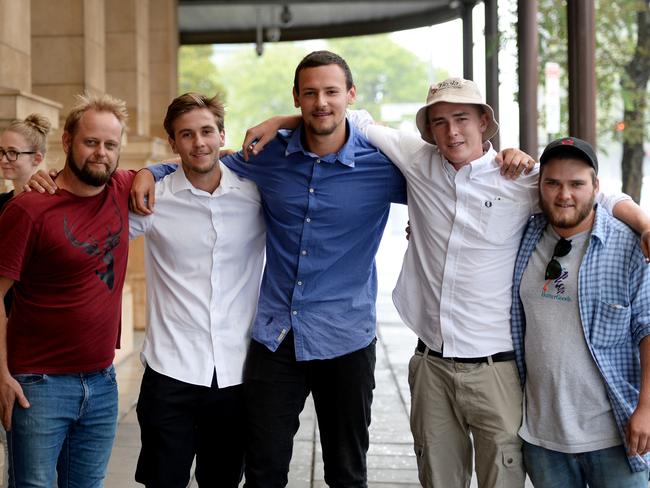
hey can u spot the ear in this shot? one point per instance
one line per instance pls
(597, 186)
(66, 141)
(38, 159)
(222, 136)
(296, 101)
(484, 120)
(352, 95)
(172, 144)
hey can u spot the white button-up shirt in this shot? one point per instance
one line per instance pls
(204, 255)
(456, 279)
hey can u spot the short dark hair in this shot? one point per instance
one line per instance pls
(191, 101)
(323, 58)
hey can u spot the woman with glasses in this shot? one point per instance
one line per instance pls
(22, 149)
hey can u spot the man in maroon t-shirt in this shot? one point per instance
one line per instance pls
(65, 256)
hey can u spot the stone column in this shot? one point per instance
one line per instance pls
(16, 97)
(163, 66)
(127, 59)
(68, 49)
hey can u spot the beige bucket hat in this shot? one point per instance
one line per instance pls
(455, 90)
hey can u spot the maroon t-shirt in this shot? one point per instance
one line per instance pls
(67, 255)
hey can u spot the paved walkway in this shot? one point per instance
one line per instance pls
(391, 461)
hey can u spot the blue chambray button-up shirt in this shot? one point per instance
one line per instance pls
(614, 300)
(325, 217)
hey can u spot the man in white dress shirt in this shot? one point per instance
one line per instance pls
(204, 252)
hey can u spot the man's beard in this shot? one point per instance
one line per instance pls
(86, 175)
(581, 212)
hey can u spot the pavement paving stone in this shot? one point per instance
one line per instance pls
(391, 460)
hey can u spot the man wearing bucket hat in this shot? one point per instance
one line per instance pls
(456, 280)
(454, 290)
(580, 327)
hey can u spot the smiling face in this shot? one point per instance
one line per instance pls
(25, 164)
(93, 150)
(457, 130)
(197, 140)
(323, 97)
(567, 191)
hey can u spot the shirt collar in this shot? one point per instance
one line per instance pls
(599, 229)
(345, 155)
(474, 166)
(179, 182)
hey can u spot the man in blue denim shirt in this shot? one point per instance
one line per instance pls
(580, 321)
(326, 193)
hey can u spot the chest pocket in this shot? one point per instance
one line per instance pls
(500, 219)
(612, 325)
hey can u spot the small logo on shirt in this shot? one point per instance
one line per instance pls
(556, 289)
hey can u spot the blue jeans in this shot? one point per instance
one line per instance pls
(68, 430)
(604, 468)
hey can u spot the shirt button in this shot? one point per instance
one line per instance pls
(295, 312)
(299, 283)
(318, 161)
(307, 220)
(311, 190)
(303, 252)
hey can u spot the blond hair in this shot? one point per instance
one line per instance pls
(34, 129)
(98, 103)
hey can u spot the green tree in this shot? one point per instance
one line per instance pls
(259, 87)
(622, 73)
(197, 72)
(384, 71)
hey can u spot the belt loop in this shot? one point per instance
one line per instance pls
(490, 361)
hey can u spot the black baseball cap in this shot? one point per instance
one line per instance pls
(571, 145)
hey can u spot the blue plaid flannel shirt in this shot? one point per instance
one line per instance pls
(614, 300)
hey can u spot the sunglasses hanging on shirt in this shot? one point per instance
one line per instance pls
(554, 268)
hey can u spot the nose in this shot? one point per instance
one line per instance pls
(320, 100)
(564, 192)
(101, 150)
(453, 128)
(199, 141)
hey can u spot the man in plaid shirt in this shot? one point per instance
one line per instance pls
(580, 321)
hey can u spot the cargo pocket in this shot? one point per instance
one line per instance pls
(512, 467)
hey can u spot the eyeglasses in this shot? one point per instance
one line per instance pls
(554, 268)
(12, 155)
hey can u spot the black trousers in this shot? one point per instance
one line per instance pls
(178, 421)
(276, 387)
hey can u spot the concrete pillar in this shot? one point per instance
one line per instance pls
(163, 66)
(16, 99)
(68, 49)
(15, 48)
(127, 59)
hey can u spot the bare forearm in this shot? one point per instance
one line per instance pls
(632, 214)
